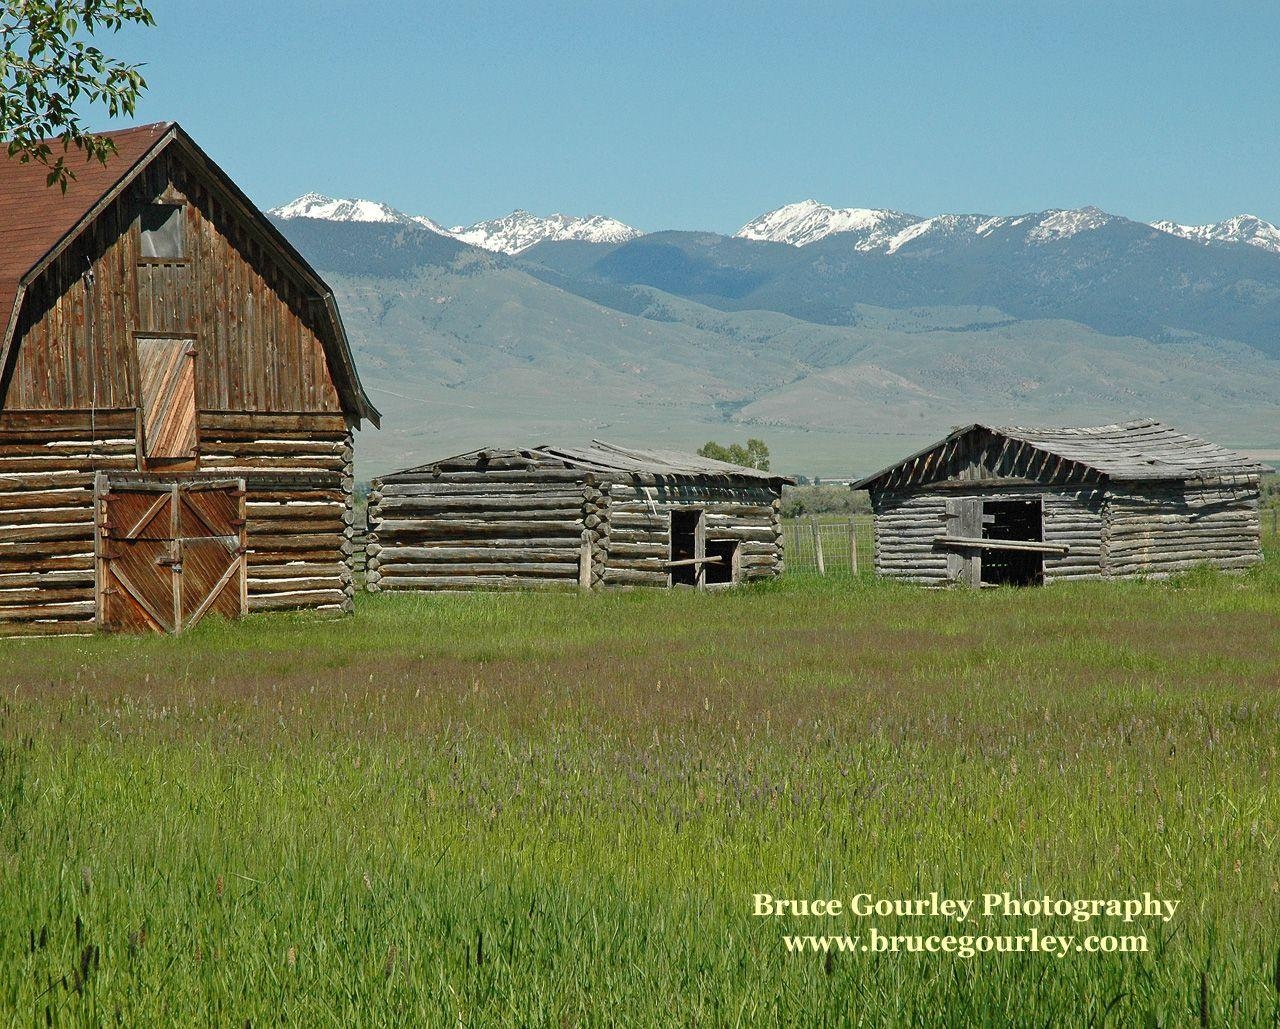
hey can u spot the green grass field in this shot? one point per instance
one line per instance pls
(555, 810)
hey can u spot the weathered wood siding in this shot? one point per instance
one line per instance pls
(1161, 529)
(475, 530)
(257, 335)
(268, 409)
(552, 528)
(299, 475)
(47, 467)
(907, 522)
(905, 525)
(1135, 530)
(637, 543)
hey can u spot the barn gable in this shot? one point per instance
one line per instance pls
(51, 240)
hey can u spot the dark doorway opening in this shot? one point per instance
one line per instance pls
(725, 570)
(1019, 521)
(686, 528)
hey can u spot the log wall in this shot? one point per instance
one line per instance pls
(1149, 530)
(298, 470)
(268, 406)
(1159, 530)
(906, 524)
(47, 528)
(554, 528)
(299, 474)
(637, 542)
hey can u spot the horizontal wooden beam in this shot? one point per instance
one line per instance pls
(1034, 546)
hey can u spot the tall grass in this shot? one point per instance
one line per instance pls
(555, 810)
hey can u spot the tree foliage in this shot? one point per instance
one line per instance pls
(48, 73)
(754, 455)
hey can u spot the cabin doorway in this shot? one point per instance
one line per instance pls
(169, 553)
(688, 542)
(1017, 521)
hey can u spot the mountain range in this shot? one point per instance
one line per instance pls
(512, 234)
(843, 337)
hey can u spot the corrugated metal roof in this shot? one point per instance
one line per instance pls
(603, 458)
(1143, 450)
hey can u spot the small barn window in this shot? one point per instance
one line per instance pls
(161, 235)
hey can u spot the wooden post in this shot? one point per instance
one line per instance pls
(817, 544)
(853, 546)
(584, 562)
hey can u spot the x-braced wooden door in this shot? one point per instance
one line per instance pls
(169, 553)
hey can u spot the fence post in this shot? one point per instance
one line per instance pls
(817, 544)
(853, 546)
(1275, 520)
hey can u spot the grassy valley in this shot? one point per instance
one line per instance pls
(556, 809)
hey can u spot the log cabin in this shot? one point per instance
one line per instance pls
(592, 518)
(1023, 506)
(177, 401)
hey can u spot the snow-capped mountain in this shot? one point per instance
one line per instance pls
(517, 232)
(809, 221)
(317, 205)
(520, 230)
(888, 231)
(1243, 228)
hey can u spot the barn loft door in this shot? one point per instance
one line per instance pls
(169, 554)
(167, 385)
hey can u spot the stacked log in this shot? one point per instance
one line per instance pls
(490, 529)
(905, 528)
(298, 470)
(1072, 517)
(47, 514)
(1122, 531)
(596, 521)
(1158, 531)
(640, 528)
(779, 542)
(493, 521)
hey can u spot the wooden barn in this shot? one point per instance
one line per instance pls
(1020, 506)
(177, 400)
(593, 518)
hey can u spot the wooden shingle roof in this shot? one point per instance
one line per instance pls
(603, 459)
(1143, 450)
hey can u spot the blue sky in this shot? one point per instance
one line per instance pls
(703, 115)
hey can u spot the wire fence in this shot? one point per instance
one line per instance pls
(830, 546)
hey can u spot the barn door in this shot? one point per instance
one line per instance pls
(964, 520)
(169, 554)
(167, 386)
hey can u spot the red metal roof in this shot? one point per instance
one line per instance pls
(34, 217)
